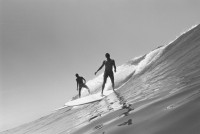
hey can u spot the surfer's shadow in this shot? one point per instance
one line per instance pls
(115, 102)
(115, 98)
(129, 122)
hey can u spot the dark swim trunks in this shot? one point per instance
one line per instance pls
(82, 85)
(108, 73)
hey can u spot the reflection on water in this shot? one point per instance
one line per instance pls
(129, 122)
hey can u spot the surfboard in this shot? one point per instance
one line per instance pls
(88, 99)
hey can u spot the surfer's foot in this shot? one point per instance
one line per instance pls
(114, 91)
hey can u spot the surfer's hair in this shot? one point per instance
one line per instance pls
(76, 75)
(107, 55)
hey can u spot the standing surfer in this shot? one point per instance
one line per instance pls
(109, 64)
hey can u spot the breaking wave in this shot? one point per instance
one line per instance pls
(169, 70)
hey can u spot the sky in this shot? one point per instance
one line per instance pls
(45, 42)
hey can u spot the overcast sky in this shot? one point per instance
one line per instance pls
(45, 42)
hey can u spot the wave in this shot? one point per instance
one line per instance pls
(172, 70)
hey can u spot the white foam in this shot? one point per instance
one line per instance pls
(149, 58)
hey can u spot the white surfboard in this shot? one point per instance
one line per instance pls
(88, 99)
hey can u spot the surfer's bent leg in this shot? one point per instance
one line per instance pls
(87, 88)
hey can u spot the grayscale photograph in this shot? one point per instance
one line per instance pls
(100, 67)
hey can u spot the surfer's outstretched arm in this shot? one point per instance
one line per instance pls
(84, 80)
(114, 65)
(77, 84)
(100, 67)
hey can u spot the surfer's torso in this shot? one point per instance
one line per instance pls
(80, 80)
(109, 65)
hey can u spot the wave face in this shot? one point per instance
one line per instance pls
(167, 77)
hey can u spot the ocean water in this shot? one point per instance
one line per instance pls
(168, 75)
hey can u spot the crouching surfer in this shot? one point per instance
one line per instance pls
(81, 84)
